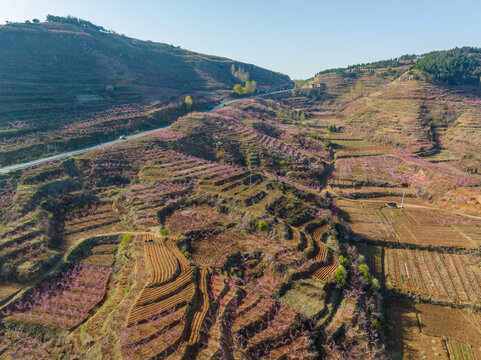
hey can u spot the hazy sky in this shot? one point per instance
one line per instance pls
(298, 37)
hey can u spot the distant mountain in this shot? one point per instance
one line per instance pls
(68, 71)
(458, 66)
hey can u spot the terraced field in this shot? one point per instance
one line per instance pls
(98, 220)
(237, 219)
(202, 308)
(67, 301)
(169, 285)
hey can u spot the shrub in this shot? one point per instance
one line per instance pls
(239, 89)
(164, 231)
(340, 275)
(126, 239)
(187, 255)
(343, 261)
(365, 271)
(262, 225)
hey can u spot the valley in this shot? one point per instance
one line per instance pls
(340, 219)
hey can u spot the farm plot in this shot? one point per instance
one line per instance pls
(427, 227)
(415, 331)
(437, 176)
(460, 351)
(156, 322)
(202, 307)
(180, 166)
(94, 221)
(372, 192)
(101, 255)
(255, 139)
(343, 315)
(279, 329)
(147, 198)
(65, 302)
(24, 260)
(24, 252)
(298, 348)
(259, 325)
(324, 272)
(162, 263)
(321, 248)
(213, 250)
(158, 345)
(224, 296)
(355, 147)
(244, 189)
(373, 170)
(460, 325)
(304, 297)
(254, 308)
(406, 338)
(195, 217)
(367, 222)
(414, 224)
(445, 277)
(170, 283)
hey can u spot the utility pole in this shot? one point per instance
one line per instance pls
(402, 203)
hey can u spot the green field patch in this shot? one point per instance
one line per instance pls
(350, 143)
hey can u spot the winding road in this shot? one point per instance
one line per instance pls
(67, 154)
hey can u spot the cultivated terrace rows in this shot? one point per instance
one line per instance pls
(421, 247)
(234, 234)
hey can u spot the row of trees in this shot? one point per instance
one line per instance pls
(358, 89)
(239, 73)
(373, 65)
(75, 21)
(249, 88)
(295, 115)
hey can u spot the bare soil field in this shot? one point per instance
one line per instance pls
(424, 331)
(415, 224)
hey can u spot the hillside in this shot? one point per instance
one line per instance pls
(69, 84)
(418, 104)
(254, 229)
(337, 221)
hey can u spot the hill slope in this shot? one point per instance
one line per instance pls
(57, 75)
(427, 104)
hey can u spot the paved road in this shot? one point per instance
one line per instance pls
(67, 154)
